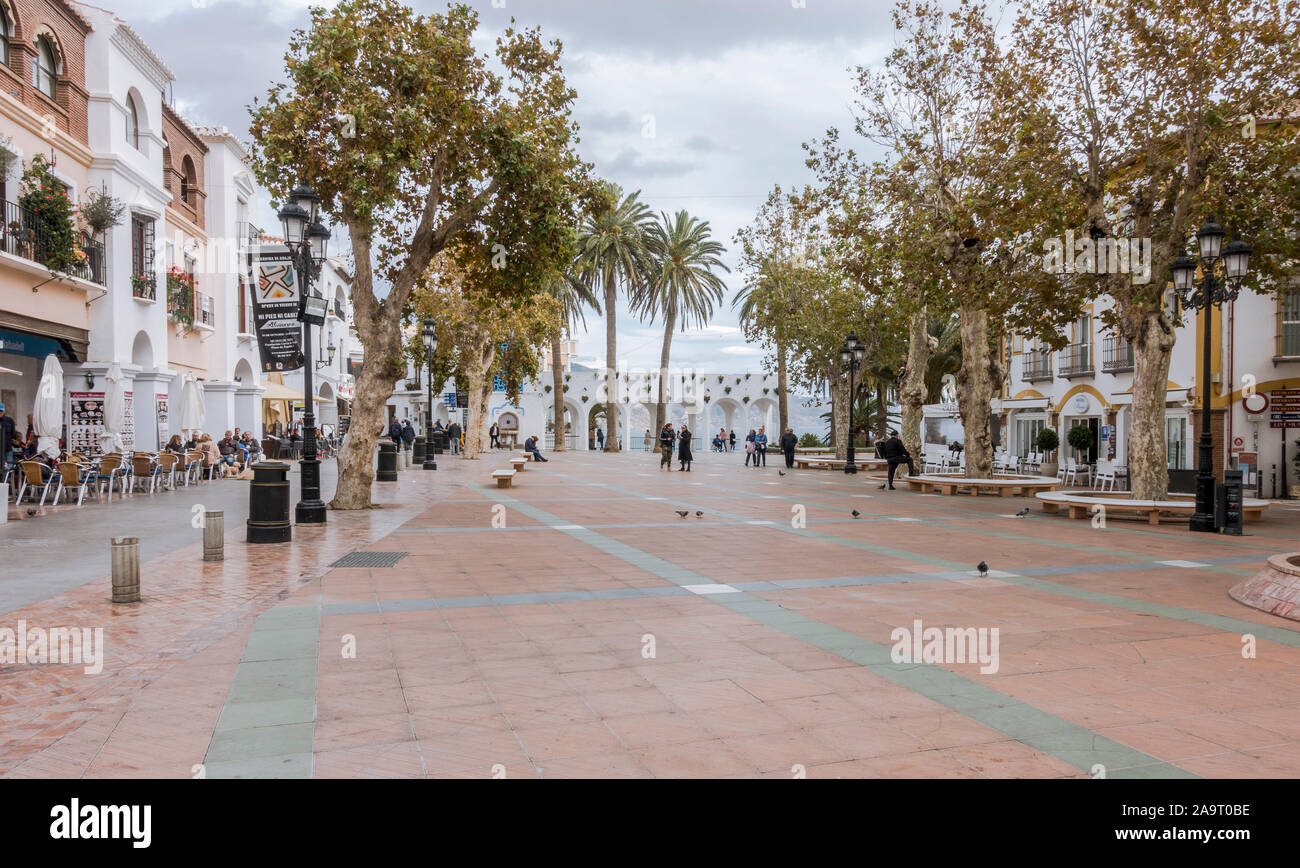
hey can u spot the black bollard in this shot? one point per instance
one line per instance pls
(268, 504)
(440, 441)
(387, 462)
(417, 450)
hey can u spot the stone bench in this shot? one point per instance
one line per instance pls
(1001, 485)
(518, 463)
(504, 478)
(1081, 506)
(806, 462)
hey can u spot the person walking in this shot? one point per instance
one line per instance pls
(761, 441)
(896, 453)
(7, 431)
(453, 433)
(751, 448)
(408, 435)
(494, 436)
(788, 443)
(684, 454)
(648, 440)
(666, 440)
(600, 438)
(395, 431)
(733, 439)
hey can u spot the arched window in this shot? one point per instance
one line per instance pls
(188, 180)
(132, 123)
(46, 69)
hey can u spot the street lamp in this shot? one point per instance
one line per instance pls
(1212, 292)
(851, 355)
(307, 241)
(430, 346)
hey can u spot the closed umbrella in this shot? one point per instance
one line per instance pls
(193, 413)
(114, 412)
(47, 417)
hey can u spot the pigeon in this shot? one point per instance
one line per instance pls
(32, 511)
(1024, 512)
(856, 513)
(780, 473)
(699, 513)
(682, 512)
(983, 568)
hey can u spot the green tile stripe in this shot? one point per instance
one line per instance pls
(1068, 742)
(267, 725)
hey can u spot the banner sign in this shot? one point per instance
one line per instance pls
(275, 311)
(86, 422)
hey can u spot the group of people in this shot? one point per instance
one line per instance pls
(233, 453)
(669, 438)
(403, 434)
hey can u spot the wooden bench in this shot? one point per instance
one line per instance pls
(518, 463)
(503, 477)
(1083, 505)
(1003, 486)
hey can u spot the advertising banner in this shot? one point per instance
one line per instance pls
(275, 311)
(86, 422)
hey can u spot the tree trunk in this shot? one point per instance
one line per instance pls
(882, 411)
(611, 364)
(661, 408)
(1153, 342)
(479, 362)
(981, 372)
(782, 404)
(913, 393)
(557, 393)
(840, 415)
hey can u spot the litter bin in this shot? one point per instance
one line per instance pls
(417, 450)
(268, 504)
(387, 462)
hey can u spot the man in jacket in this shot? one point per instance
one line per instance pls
(453, 433)
(761, 442)
(896, 453)
(667, 437)
(494, 436)
(395, 431)
(408, 435)
(788, 443)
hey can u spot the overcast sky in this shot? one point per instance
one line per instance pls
(700, 104)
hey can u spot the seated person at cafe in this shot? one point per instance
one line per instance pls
(175, 446)
(228, 446)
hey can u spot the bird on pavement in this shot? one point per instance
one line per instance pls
(1024, 512)
(699, 513)
(682, 512)
(856, 513)
(983, 568)
(780, 473)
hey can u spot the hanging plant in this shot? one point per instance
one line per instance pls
(747, 376)
(719, 378)
(738, 381)
(727, 389)
(766, 390)
(47, 217)
(566, 388)
(548, 390)
(744, 400)
(706, 399)
(584, 399)
(180, 296)
(568, 377)
(100, 211)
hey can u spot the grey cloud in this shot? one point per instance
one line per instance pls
(630, 163)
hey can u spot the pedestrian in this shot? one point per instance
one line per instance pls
(530, 446)
(395, 431)
(7, 431)
(760, 440)
(733, 439)
(788, 443)
(408, 435)
(600, 438)
(751, 448)
(453, 435)
(666, 440)
(649, 440)
(494, 436)
(684, 449)
(896, 453)
(722, 439)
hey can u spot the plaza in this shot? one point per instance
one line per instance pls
(585, 629)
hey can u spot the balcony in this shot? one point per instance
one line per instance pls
(1038, 366)
(1116, 355)
(23, 235)
(1076, 361)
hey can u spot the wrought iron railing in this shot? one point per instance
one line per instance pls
(23, 234)
(1117, 355)
(1076, 359)
(1038, 365)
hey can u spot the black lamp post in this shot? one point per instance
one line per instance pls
(430, 346)
(1211, 293)
(851, 355)
(307, 241)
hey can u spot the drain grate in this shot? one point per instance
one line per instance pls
(370, 559)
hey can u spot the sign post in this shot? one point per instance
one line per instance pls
(1284, 405)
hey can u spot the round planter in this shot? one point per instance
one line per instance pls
(1274, 589)
(1048, 468)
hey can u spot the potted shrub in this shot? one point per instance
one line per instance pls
(1080, 437)
(727, 389)
(1048, 442)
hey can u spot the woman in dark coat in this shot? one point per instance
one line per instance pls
(684, 449)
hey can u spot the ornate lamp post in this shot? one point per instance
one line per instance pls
(430, 346)
(851, 355)
(307, 241)
(1210, 293)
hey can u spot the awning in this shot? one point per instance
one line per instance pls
(4, 370)
(1024, 403)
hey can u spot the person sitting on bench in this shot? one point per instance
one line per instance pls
(530, 445)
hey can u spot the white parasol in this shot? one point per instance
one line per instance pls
(193, 413)
(47, 417)
(110, 441)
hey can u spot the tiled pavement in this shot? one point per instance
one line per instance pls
(597, 633)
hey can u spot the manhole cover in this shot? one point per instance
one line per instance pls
(370, 559)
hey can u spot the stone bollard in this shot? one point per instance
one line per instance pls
(125, 556)
(4, 502)
(214, 535)
(387, 470)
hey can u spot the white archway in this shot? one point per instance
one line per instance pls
(142, 351)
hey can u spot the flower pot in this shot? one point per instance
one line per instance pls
(1048, 468)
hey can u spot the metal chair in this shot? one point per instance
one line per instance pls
(33, 478)
(143, 468)
(72, 475)
(110, 471)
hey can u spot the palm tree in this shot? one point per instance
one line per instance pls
(611, 250)
(680, 284)
(573, 295)
(945, 353)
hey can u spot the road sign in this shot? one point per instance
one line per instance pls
(1255, 404)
